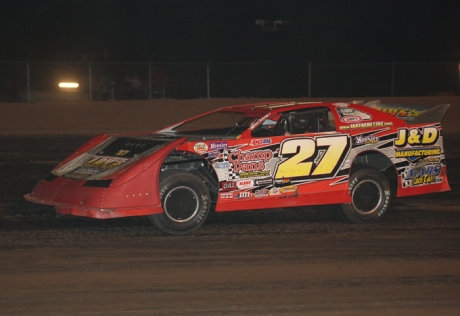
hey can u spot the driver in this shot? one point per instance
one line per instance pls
(300, 125)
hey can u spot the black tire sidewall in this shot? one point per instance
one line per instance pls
(349, 210)
(170, 180)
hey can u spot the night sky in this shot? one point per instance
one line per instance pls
(225, 30)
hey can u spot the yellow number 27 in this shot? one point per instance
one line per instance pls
(309, 157)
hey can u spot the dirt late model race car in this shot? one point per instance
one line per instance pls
(256, 156)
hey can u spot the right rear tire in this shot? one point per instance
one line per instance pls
(370, 194)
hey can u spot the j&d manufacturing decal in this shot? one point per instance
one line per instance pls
(416, 136)
(415, 154)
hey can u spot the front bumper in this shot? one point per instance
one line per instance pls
(72, 198)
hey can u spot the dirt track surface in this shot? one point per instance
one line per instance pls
(277, 262)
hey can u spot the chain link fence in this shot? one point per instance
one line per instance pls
(38, 81)
(383, 79)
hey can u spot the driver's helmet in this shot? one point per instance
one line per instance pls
(300, 124)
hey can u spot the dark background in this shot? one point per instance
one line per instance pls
(195, 30)
(225, 31)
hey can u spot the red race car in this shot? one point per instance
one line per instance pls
(256, 156)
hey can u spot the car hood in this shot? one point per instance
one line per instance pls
(111, 155)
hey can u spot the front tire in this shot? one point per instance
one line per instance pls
(370, 194)
(185, 200)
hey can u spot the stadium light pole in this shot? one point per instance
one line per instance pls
(458, 78)
(150, 77)
(207, 76)
(90, 79)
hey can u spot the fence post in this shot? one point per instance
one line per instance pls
(392, 79)
(28, 78)
(150, 79)
(458, 65)
(28, 82)
(90, 83)
(207, 81)
(309, 79)
(90, 79)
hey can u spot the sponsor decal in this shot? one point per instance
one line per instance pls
(218, 146)
(228, 186)
(104, 163)
(264, 182)
(121, 152)
(255, 174)
(242, 195)
(77, 175)
(415, 136)
(366, 125)
(284, 180)
(433, 159)
(213, 154)
(288, 189)
(221, 165)
(340, 104)
(350, 119)
(275, 191)
(422, 175)
(366, 140)
(348, 115)
(226, 195)
(246, 161)
(94, 166)
(261, 193)
(245, 184)
(262, 141)
(200, 147)
(400, 112)
(415, 154)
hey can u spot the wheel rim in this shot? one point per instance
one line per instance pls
(181, 204)
(367, 196)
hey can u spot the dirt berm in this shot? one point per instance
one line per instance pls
(68, 117)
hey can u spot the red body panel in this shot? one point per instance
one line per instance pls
(134, 192)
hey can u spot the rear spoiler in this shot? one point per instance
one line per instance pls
(415, 114)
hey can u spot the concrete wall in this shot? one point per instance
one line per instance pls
(149, 115)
